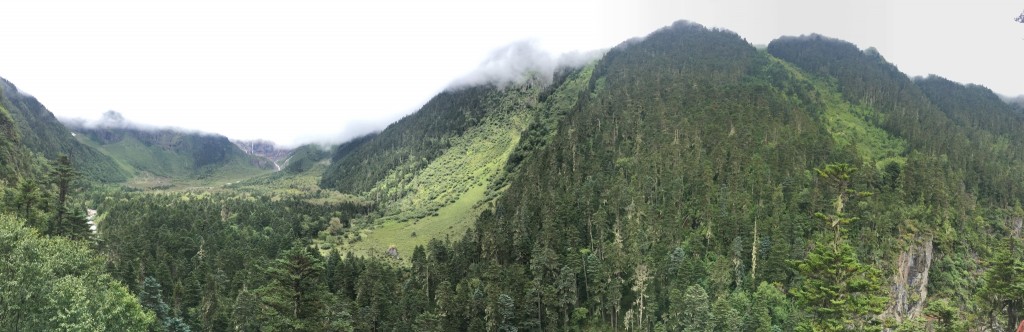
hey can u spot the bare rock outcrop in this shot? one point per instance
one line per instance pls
(910, 282)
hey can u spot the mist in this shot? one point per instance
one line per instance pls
(114, 120)
(520, 63)
(354, 129)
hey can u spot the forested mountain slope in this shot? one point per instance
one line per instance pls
(433, 172)
(696, 164)
(684, 181)
(931, 121)
(12, 153)
(40, 132)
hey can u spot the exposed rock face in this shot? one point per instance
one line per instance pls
(910, 284)
(266, 149)
(263, 149)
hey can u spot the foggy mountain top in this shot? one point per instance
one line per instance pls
(115, 120)
(7, 86)
(522, 62)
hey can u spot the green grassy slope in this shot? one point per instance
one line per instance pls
(426, 199)
(412, 142)
(162, 158)
(851, 125)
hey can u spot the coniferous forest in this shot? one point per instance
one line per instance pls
(684, 181)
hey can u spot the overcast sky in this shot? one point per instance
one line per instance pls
(294, 71)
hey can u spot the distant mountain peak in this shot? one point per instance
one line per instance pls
(112, 119)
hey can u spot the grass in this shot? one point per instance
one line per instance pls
(451, 221)
(852, 124)
(444, 198)
(154, 168)
(285, 184)
(849, 124)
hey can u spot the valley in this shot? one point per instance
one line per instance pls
(683, 181)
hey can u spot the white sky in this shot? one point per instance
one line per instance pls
(295, 71)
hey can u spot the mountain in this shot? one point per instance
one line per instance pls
(303, 158)
(1016, 102)
(683, 181)
(38, 131)
(167, 153)
(265, 149)
(689, 162)
(432, 172)
(12, 154)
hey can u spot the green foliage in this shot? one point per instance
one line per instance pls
(65, 222)
(771, 310)
(304, 158)
(946, 315)
(172, 154)
(151, 298)
(1003, 290)
(412, 142)
(695, 311)
(209, 250)
(12, 154)
(295, 297)
(672, 185)
(50, 284)
(839, 292)
(30, 203)
(442, 197)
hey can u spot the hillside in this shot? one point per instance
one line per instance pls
(683, 181)
(690, 161)
(40, 132)
(303, 158)
(168, 153)
(433, 172)
(12, 154)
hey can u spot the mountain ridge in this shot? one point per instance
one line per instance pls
(165, 152)
(685, 180)
(39, 131)
(690, 144)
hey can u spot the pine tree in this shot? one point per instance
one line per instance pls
(27, 199)
(507, 312)
(1004, 284)
(839, 292)
(245, 312)
(295, 295)
(151, 297)
(696, 310)
(62, 176)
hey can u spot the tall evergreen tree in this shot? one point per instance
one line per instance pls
(838, 290)
(63, 175)
(1003, 289)
(151, 297)
(28, 200)
(295, 296)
